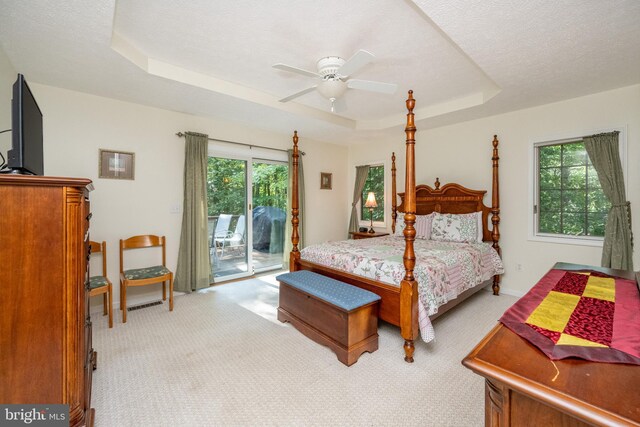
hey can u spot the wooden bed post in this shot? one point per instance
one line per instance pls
(295, 235)
(394, 208)
(495, 210)
(409, 327)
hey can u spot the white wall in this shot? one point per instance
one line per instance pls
(462, 153)
(7, 77)
(77, 125)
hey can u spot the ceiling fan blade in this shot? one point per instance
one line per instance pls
(379, 87)
(357, 61)
(296, 70)
(297, 94)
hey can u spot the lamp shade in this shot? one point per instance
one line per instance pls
(371, 201)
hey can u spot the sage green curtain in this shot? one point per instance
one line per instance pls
(617, 251)
(288, 226)
(362, 172)
(194, 264)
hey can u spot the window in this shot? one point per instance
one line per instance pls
(375, 183)
(568, 202)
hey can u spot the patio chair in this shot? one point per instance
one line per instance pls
(235, 239)
(220, 232)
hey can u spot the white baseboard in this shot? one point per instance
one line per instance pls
(96, 302)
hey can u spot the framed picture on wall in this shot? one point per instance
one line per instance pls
(325, 181)
(116, 164)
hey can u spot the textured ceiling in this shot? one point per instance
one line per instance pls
(464, 59)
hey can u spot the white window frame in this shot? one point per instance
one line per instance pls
(533, 234)
(367, 222)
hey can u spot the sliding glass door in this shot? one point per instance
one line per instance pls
(246, 228)
(270, 182)
(229, 205)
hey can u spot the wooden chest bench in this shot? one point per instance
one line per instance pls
(332, 313)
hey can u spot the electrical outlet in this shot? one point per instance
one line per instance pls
(518, 267)
(176, 208)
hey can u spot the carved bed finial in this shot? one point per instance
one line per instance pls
(437, 183)
(411, 103)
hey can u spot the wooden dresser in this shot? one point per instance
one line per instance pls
(45, 330)
(523, 387)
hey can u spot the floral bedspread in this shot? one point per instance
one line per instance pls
(443, 270)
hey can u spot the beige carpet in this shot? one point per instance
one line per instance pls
(222, 359)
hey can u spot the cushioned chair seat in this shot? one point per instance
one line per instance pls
(97, 282)
(146, 273)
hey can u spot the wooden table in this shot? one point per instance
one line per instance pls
(365, 234)
(524, 387)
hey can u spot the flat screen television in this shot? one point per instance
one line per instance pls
(25, 156)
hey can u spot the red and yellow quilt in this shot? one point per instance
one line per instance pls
(584, 314)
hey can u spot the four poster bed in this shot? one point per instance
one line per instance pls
(446, 273)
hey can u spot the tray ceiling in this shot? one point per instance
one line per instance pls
(464, 59)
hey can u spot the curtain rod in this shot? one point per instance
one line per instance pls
(180, 134)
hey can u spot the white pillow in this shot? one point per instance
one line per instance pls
(400, 225)
(422, 225)
(480, 227)
(457, 227)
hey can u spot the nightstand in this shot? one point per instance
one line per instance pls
(365, 235)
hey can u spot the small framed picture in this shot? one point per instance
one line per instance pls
(325, 181)
(116, 164)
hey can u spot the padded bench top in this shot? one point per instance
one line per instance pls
(327, 289)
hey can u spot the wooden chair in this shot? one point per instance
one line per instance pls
(101, 285)
(146, 275)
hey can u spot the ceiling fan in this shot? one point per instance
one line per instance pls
(334, 73)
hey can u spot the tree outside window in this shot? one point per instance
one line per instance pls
(375, 183)
(226, 186)
(570, 200)
(227, 182)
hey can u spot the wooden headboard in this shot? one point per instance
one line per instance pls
(456, 199)
(450, 198)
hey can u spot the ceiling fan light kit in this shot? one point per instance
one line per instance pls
(334, 73)
(332, 88)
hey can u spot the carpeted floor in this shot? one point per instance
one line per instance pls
(222, 359)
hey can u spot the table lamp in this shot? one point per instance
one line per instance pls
(371, 203)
